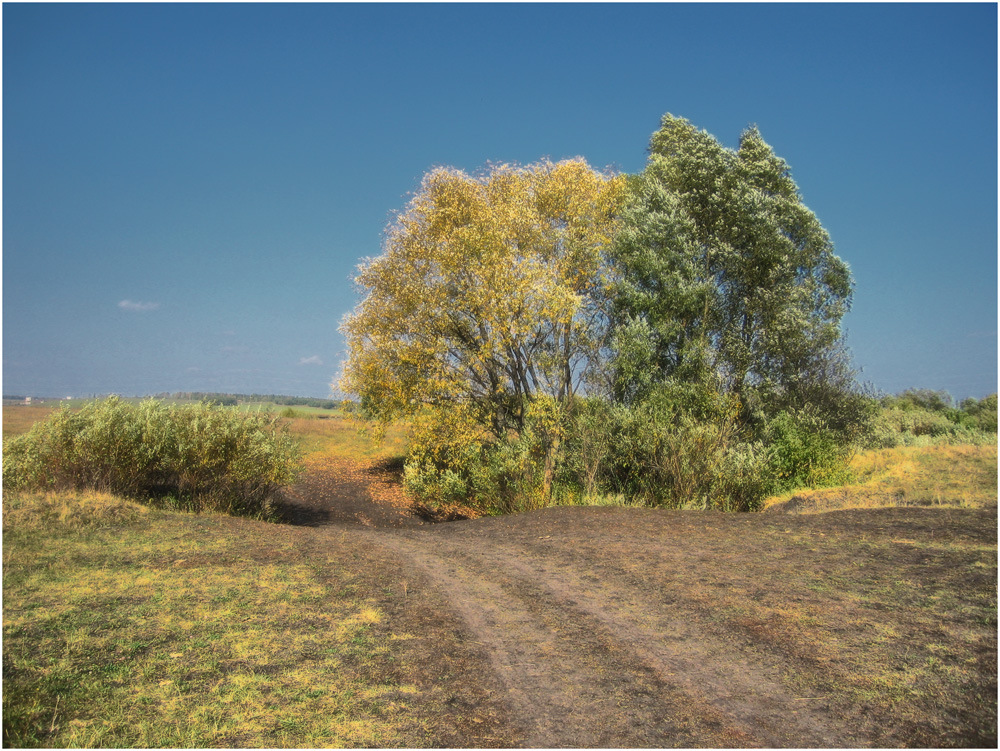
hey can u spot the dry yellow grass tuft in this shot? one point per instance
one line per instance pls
(74, 509)
(939, 476)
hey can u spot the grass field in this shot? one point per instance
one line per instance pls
(19, 419)
(130, 627)
(125, 626)
(343, 437)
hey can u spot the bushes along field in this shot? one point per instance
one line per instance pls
(920, 417)
(662, 453)
(198, 457)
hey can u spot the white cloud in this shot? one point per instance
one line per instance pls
(314, 360)
(138, 307)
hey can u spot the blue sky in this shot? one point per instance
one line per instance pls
(188, 188)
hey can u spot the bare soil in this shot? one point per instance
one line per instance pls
(623, 627)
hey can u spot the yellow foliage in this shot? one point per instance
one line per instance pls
(486, 292)
(439, 436)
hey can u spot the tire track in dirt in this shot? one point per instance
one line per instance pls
(587, 669)
(553, 683)
(588, 651)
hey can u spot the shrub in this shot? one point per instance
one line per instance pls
(676, 448)
(681, 448)
(199, 456)
(804, 452)
(982, 414)
(922, 400)
(453, 461)
(684, 446)
(924, 418)
(743, 479)
(588, 447)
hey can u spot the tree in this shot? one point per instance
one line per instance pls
(724, 274)
(487, 296)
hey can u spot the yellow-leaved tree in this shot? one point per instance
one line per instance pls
(487, 302)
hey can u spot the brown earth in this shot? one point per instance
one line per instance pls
(624, 627)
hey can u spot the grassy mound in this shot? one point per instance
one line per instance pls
(939, 475)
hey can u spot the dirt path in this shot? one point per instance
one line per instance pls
(586, 653)
(623, 627)
(589, 659)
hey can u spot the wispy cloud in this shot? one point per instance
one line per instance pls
(314, 360)
(138, 307)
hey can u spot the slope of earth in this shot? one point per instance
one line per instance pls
(615, 627)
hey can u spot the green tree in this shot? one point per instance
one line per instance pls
(725, 276)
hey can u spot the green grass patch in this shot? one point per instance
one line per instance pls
(130, 627)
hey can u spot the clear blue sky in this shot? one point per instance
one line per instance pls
(187, 188)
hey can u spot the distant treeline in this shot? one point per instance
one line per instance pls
(234, 399)
(919, 416)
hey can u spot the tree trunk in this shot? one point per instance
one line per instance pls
(548, 473)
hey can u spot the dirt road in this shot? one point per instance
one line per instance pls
(612, 627)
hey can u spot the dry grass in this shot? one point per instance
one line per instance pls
(40, 511)
(19, 419)
(126, 627)
(346, 438)
(936, 476)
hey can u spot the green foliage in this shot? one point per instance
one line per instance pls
(721, 267)
(679, 447)
(675, 450)
(921, 417)
(589, 447)
(199, 456)
(804, 452)
(980, 415)
(453, 462)
(925, 400)
(728, 289)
